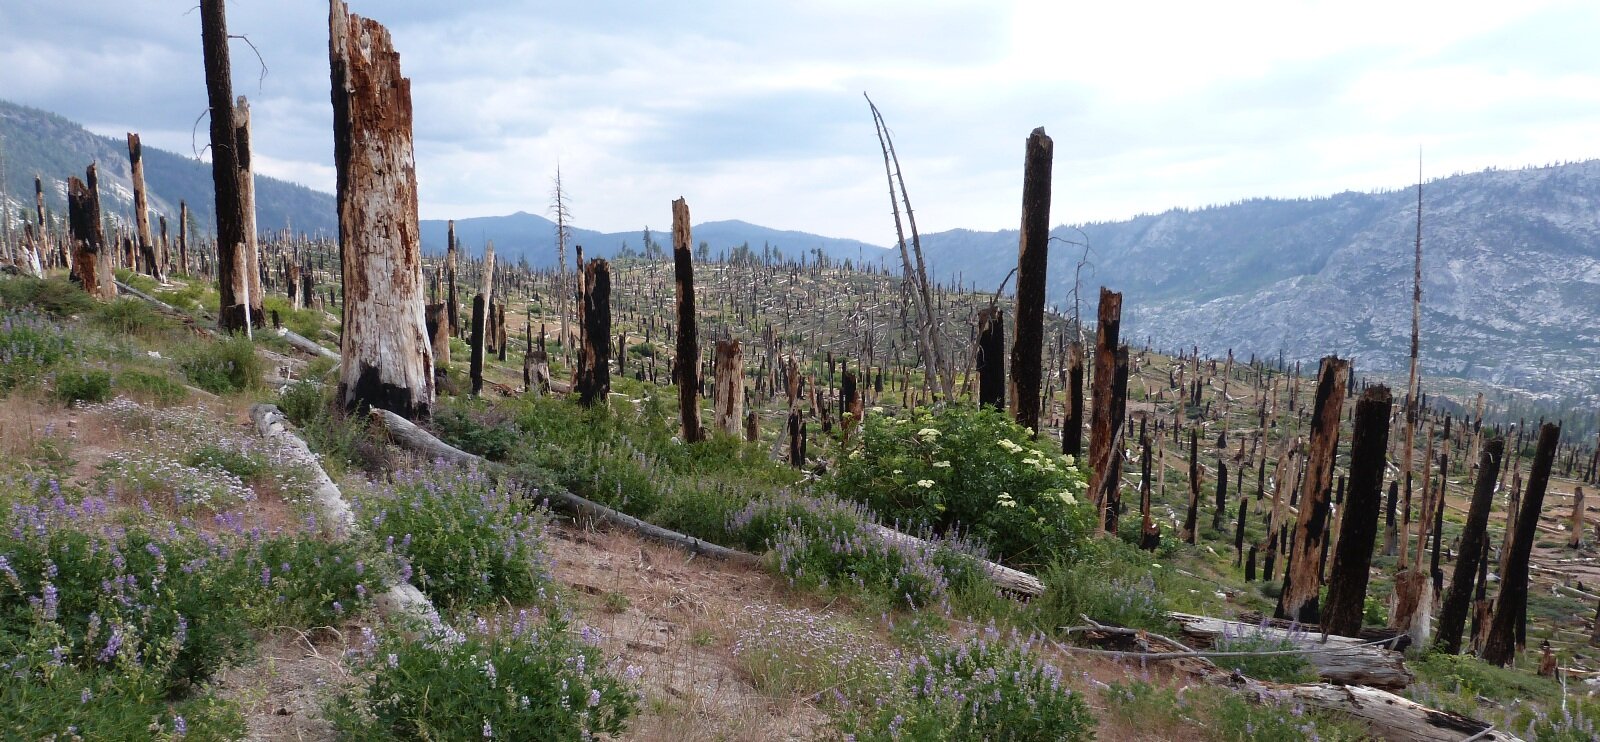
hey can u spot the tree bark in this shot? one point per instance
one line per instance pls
(183, 237)
(1474, 539)
(1575, 537)
(475, 345)
(1358, 529)
(233, 280)
(1513, 599)
(141, 211)
(1191, 519)
(594, 355)
(1302, 581)
(452, 300)
(387, 355)
(727, 395)
(1072, 430)
(1102, 429)
(990, 363)
(1027, 346)
(91, 266)
(686, 367)
(439, 334)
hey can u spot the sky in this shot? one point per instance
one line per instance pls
(753, 109)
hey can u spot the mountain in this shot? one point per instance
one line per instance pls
(1511, 276)
(34, 142)
(524, 236)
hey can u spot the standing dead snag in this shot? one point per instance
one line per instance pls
(141, 210)
(594, 354)
(91, 266)
(1474, 540)
(686, 367)
(1103, 429)
(1358, 529)
(1191, 520)
(387, 356)
(1575, 538)
(727, 395)
(233, 281)
(1072, 429)
(1501, 643)
(1302, 580)
(1027, 346)
(990, 361)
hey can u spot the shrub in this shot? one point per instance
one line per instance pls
(1109, 581)
(467, 542)
(303, 322)
(1278, 668)
(223, 367)
(476, 428)
(150, 387)
(30, 346)
(129, 316)
(524, 681)
(971, 470)
(93, 386)
(986, 688)
(56, 296)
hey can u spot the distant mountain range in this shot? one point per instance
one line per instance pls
(1511, 285)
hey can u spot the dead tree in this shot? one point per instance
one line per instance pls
(1575, 538)
(686, 367)
(233, 266)
(1501, 644)
(1358, 528)
(141, 211)
(1102, 429)
(1474, 543)
(1072, 429)
(475, 344)
(727, 396)
(183, 237)
(1191, 520)
(91, 266)
(990, 361)
(452, 300)
(386, 353)
(1302, 580)
(439, 334)
(251, 256)
(1027, 345)
(594, 355)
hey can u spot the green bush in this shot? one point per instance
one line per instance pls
(130, 316)
(476, 427)
(223, 367)
(529, 680)
(45, 696)
(987, 688)
(466, 541)
(30, 346)
(304, 322)
(56, 296)
(1109, 581)
(150, 387)
(92, 386)
(1278, 668)
(968, 470)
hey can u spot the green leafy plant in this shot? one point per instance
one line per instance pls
(224, 367)
(150, 387)
(91, 385)
(55, 296)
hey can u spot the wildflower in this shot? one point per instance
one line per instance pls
(897, 472)
(941, 465)
(928, 434)
(594, 698)
(925, 483)
(1006, 501)
(1067, 498)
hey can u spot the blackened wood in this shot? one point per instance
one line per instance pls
(1112, 496)
(686, 367)
(1072, 430)
(439, 334)
(91, 265)
(1513, 599)
(452, 301)
(475, 344)
(1474, 543)
(386, 353)
(990, 362)
(1358, 528)
(229, 212)
(727, 395)
(1302, 581)
(1102, 429)
(1027, 349)
(594, 361)
(1221, 513)
(1191, 521)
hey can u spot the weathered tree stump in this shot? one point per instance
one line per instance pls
(1302, 581)
(141, 211)
(1358, 529)
(1103, 470)
(1474, 540)
(990, 359)
(727, 395)
(594, 353)
(1500, 645)
(686, 367)
(91, 265)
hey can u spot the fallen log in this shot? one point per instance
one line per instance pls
(1337, 659)
(1391, 717)
(306, 345)
(402, 598)
(1006, 578)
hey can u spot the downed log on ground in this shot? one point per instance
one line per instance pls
(1389, 716)
(1006, 578)
(306, 345)
(1337, 659)
(401, 598)
(298, 342)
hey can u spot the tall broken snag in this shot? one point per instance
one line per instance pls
(686, 367)
(387, 357)
(1027, 349)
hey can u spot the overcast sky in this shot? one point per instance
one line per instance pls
(753, 110)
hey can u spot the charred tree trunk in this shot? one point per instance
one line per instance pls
(91, 266)
(1072, 430)
(1513, 600)
(1302, 580)
(1474, 540)
(439, 333)
(1358, 528)
(990, 362)
(1119, 395)
(1221, 513)
(727, 397)
(183, 237)
(452, 300)
(475, 344)
(387, 355)
(1191, 521)
(686, 367)
(1575, 538)
(232, 280)
(594, 356)
(1102, 429)
(141, 211)
(1027, 346)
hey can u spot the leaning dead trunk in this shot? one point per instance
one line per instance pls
(91, 265)
(727, 395)
(686, 367)
(141, 211)
(1027, 346)
(1501, 644)
(1302, 581)
(386, 353)
(1358, 528)
(1474, 539)
(1102, 429)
